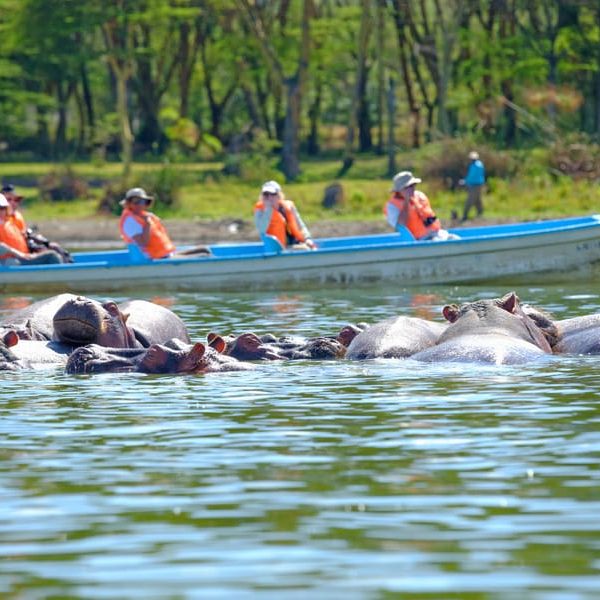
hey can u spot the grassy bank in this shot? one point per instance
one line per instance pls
(204, 192)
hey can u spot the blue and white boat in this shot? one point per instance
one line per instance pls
(480, 254)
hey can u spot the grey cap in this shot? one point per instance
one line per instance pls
(403, 180)
(137, 192)
(473, 155)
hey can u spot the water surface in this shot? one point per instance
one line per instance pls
(372, 479)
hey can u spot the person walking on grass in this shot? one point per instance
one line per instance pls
(474, 182)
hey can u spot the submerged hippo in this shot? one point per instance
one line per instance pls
(174, 357)
(80, 321)
(18, 354)
(396, 337)
(249, 346)
(578, 335)
(488, 331)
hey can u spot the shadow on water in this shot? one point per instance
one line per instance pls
(381, 478)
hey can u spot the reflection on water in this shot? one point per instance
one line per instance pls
(326, 479)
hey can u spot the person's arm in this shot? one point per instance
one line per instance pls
(138, 233)
(303, 229)
(396, 216)
(262, 218)
(13, 251)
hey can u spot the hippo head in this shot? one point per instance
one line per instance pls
(321, 348)
(504, 314)
(349, 332)
(249, 346)
(81, 321)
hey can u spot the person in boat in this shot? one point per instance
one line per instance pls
(36, 242)
(278, 218)
(13, 244)
(143, 230)
(474, 182)
(410, 208)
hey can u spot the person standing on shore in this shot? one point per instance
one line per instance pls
(278, 218)
(474, 181)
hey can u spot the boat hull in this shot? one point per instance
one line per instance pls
(482, 254)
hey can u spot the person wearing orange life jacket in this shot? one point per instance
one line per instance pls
(13, 245)
(139, 227)
(14, 201)
(410, 208)
(36, 242)
(277, 217)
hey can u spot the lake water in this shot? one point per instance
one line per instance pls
(375, 479)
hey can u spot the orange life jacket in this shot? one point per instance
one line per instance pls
(159, 243)
(283, 225)
(12, 236)
(419, 213)
(19, 221)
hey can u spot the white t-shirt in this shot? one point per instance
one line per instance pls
(131, 227)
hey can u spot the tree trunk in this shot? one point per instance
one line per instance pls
(125, 125)
(359, 86)
(391, 144)
(404, 68)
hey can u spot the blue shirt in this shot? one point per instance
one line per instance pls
(475, 173)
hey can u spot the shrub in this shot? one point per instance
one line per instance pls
(575, 157)
(62, 185)
(448, 162)
(164, 184)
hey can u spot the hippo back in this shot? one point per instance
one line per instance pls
(36, 320)
(396, 337)
(153, 323)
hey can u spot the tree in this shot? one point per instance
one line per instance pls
(293, 82)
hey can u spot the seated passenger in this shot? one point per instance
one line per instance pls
(409, 208)
(277, 217)
(13, 245)
(36, 242)
(143, 229)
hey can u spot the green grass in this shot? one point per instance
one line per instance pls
(206, 194)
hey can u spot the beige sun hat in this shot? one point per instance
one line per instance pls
(473, 155)
(403, 180)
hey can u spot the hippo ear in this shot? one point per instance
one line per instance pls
(111, 307)
(10, 338)
(217, 342)
(509, 302)
(211, 336)
(197, 351)
(450, 312)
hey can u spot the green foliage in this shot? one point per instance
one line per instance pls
(252, 159)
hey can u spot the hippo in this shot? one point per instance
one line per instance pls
(18, 354)
(249, 346)
(81, 321)
(577, 335)
(488, 331)
(173, 357)
(396, 337)
(77, 320)
(35, 321)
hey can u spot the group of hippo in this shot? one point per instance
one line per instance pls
(87, 336)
